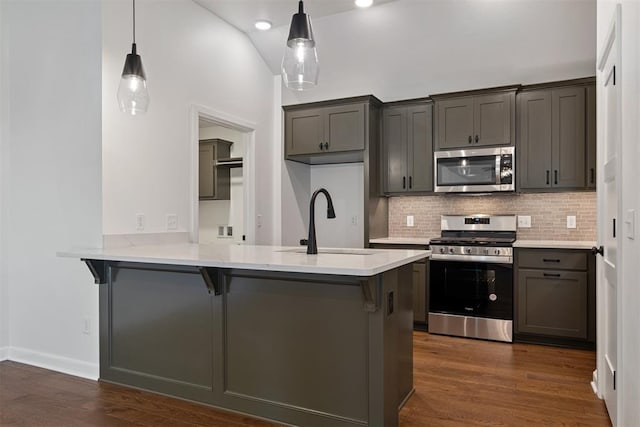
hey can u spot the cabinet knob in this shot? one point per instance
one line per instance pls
(321, 145)
(326, 145)
(404, 182)
(555, 177)
(470, 139)
(410, 182)
(547, 177)
(477, 139)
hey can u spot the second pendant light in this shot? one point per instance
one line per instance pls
(300, 63)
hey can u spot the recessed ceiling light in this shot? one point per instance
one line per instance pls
(364, 3)
(263, 25)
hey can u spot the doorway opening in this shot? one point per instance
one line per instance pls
(222, 178)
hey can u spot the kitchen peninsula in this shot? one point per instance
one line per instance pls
(314, 340)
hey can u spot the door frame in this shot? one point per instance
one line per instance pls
(613, 37)
(248, 130)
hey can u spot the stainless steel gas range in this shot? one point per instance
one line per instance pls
(471, 279)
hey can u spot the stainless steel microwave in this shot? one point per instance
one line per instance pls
(478, 170)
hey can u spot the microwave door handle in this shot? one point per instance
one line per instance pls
(498, 165)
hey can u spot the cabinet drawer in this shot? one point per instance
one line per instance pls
(555, 259)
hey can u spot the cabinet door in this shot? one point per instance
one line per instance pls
(492, 119)
(591, 136)
(394, 142)
(420, 148)
(534, 135)
(419, 292)
(206, 175)
(304, 131)
(552, 302)
(568, 137)
(344, 127)
(455, 123)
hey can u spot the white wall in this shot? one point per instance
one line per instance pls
(628, 288)
(413, 48)
(51, 179)
(4, 290)
(190, 57)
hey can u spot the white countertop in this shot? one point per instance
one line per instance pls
(401, 240)
(269, 258)
(554, 244)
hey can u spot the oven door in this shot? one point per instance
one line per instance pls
(471, 289)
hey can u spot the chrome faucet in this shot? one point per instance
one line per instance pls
(312, 246)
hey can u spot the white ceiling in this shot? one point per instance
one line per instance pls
(243, 14)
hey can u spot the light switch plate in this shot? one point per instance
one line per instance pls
(630, 222)
(571, 221)
(524, 221)
(172, 222)
(409, 220)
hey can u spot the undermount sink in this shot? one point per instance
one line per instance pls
(330, 251)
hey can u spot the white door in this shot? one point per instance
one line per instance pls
(609, 206)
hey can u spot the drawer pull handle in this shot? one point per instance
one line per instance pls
(551, 274)
(550, 260)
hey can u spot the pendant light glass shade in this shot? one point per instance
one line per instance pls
(133, 96)
(300, 62)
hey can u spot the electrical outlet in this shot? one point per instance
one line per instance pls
(140, 221)
(259, 221)
(86, 326)
(571, 221)
(409, 220)
(524, 221)
(172, 222)
(354, 220)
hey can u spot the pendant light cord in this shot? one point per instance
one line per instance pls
(134, 21)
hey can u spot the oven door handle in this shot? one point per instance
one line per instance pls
(488, 259)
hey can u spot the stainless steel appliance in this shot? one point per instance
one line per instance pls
(471, 277)
(478, 170)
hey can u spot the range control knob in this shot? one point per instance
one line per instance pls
(450, 250)
(486, 251)
(496, 252)
(442, 250)
(468, 250)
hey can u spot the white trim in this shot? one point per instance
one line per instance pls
(4, 353)
(248, 129)
(78, 368)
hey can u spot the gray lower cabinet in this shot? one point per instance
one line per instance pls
(556, 138)
(325, 129)
(214, 181)
(407, 141)
(301, 349)
(555, 297)
(480, 120)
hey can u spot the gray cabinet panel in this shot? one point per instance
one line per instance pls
(395, 148)
(455, 123)
(535, 139)
(420, 292)
(420, 150)
(206, 181)
(344, 127)
(408, 148)
(568, 137)
(304, 131)
(214, 181)
(552, 303)
(492, 119)
(591, 136)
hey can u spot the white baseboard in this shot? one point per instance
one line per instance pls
(78, 368)
(4, 353)
(594, 382)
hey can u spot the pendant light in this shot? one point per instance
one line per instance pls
(133, 96)
(300, 62)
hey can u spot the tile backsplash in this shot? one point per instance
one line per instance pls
(548, 213)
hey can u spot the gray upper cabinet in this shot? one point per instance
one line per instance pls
(472, 121)
(313, 131)
(556, 138)
(407, 143)
(214, 181)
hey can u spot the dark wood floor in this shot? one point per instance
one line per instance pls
(459, 382)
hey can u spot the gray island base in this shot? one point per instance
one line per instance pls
(303, 349)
